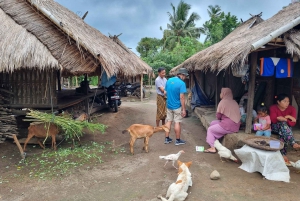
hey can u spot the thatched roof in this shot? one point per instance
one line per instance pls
(76, 46)
(19, 48)
(233, 50)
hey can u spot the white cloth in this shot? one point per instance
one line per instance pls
(275, 60)
(269, 163)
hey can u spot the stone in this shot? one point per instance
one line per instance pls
(215, 175)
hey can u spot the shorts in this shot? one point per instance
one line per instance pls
(174, 115)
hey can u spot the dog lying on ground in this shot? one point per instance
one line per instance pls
(138, 131)
(178, 191)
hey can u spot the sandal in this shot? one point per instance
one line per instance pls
(209, 152)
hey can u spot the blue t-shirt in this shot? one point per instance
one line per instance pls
(174, 87)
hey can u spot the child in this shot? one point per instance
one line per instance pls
(243, 111)
(264, 119)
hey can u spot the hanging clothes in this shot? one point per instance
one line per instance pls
(282, 67)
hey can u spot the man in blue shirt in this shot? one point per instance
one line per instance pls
(175, 89)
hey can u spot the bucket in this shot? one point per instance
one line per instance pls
(274, 144)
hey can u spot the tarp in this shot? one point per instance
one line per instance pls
(269, 163)
(199, 97)
(106, 82)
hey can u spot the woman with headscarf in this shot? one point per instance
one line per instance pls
(228, 119)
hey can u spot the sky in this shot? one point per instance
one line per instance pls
(137, 19)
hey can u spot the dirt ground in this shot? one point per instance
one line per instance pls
(123, 177)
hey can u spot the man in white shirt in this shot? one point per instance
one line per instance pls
(160, 84)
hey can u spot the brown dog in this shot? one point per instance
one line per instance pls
(138, 131)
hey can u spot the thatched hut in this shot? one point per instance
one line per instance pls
(41, 41)
(278, 36)
(40, 38)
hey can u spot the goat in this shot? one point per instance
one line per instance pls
(40, 131)
(82, 117)
(138, 131)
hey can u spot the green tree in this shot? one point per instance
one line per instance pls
(214, 11)
(229, 23)
(181, 25)
(146, 44)
(171, 58)
(219, 25)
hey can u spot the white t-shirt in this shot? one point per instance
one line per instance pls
(160, 82)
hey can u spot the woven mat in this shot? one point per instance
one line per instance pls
(261, 142)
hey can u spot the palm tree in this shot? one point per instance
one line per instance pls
(181, 25)
(214, 11)
(206, 31)
(219, 25)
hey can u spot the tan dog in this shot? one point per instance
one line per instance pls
(178, 191)
(138, 131)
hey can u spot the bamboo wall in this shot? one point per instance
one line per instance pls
(31, 88)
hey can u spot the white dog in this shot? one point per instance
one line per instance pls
(178, 191)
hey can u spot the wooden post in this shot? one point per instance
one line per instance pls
(76, 81)
(87, 106)
(251, 89)
(19, 146)
(142, 87)
(192, 81)
(62, 82)
(58, 81)
(69, 86)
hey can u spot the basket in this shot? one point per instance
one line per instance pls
(240, 72)
(263, 143)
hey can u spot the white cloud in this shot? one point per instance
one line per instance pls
(136, 19)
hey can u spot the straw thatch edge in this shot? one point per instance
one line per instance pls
(234, 49)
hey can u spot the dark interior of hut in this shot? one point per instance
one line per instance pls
(36, 89)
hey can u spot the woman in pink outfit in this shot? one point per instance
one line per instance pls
(228, 119)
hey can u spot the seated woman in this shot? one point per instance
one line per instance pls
(228, 115)
(283, 117)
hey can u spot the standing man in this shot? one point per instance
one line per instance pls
(160, 84)
(176, 89)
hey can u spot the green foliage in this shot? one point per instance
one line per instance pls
(71, 128)
(219, 25)
(55, 164)
(181, 25)
(180, 38)
(93, 80)
(148, 44)
(169, 59)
